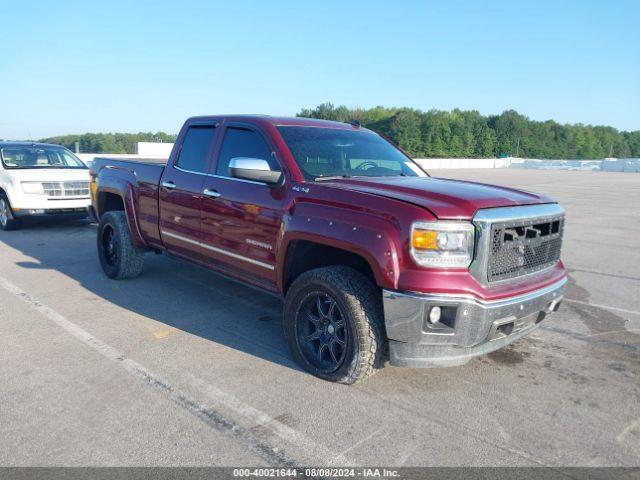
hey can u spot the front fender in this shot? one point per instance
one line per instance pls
(373, 238)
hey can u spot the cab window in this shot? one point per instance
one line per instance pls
(242, 142)
(195, 148)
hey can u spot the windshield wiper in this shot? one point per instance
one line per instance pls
(331, 177)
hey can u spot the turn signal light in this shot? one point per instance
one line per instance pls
(425, 239)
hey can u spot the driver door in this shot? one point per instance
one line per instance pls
(241, 218)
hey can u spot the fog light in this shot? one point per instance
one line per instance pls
(434, 314)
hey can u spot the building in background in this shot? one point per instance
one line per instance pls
(154, 149)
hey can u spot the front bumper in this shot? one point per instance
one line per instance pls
(40, 206)
(469, 326)
(46, 212)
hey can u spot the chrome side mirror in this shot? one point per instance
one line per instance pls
(254, 169)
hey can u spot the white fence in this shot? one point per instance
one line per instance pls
(607, 164)
(88, 157)
(436, 163)
(144, 150)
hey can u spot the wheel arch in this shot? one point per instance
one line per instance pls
(366, 242)
(118, 195)
(304, 255)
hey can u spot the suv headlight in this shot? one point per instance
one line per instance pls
(442, 244)
(34, 188)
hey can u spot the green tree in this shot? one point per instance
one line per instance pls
(109, 142)
(404, 127)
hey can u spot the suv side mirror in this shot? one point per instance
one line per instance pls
(254, 169)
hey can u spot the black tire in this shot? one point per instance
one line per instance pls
(7, 220)
(360, 307)
(119, 258)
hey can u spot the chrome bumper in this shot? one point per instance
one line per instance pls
(469, 327)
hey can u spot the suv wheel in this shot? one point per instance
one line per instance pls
(7, 220)
(119, 258)
(333, 321)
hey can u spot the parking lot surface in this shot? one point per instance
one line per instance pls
(182, 367)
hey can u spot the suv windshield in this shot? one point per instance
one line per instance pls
(331, 152)
(39, 157)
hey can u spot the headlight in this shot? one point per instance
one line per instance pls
(34, 188)
(442, 244)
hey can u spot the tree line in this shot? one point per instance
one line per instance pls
(109, 142)
(468, 134)
(435, 133)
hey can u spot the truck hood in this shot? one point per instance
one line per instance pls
(48, 174)
(445, 198)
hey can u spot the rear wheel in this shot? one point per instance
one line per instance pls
(333, 321)
(119, 257)
(7, 220)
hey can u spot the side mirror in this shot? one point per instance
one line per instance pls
(254, 169)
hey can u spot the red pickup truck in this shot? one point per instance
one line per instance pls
(374, 258)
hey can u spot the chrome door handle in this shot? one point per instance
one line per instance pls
(169, 185)
(211, 193)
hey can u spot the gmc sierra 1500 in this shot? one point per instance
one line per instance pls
(367, 250)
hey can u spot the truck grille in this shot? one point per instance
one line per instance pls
(66, 189)
(521, 247)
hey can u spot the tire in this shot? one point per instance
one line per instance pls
(119, 258)
(315, 333)
(7, 220)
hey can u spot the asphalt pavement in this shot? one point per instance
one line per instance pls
(182, 367)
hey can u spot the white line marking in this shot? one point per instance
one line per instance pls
(285, 432)
(606, 307)
(208, 415)
(218, 250)
(341, 459)
(627, 430)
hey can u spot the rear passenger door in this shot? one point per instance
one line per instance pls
(180, 198)
(241, 218)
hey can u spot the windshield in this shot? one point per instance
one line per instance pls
(331, 152)
(39, 157)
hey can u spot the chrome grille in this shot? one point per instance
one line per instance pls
(516, 241)
(519, 248)
(66, 189)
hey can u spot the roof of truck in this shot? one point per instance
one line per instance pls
(280, 121)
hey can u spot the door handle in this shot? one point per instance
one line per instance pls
(211, 193)
(169, 185)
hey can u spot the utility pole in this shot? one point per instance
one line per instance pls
(517, 147)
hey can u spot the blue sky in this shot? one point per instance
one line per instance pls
(74, 67)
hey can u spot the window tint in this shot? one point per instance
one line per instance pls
(239, 142)
(195, 148)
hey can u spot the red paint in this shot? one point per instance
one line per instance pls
(369, 217)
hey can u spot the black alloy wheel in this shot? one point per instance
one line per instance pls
(321, 332)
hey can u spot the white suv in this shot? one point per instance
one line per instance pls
(40, 179)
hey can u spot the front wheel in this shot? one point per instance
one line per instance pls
(7, 220)
(119, 257)
(333, 322)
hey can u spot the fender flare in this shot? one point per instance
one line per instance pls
(372, 238)
(126, 191)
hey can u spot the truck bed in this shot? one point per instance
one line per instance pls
(143, 175)
(146, 170)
